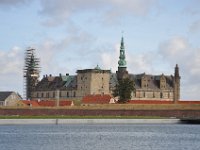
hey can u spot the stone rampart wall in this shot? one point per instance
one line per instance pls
(83, 112)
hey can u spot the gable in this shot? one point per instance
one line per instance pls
(4, 95)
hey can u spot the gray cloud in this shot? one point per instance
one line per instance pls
(178, 50)
(72, 50)
(192, 8)
(59, 11)
(12, 3)
(195, 27)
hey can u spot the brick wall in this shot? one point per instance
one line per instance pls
(82, 112)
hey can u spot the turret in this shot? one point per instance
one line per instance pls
(176, 84)
(122, 72)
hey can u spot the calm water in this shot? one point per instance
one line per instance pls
(100, 137)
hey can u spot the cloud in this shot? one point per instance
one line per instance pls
(110, 59)
(195, 27)
(68, 53)
(175, 50)
(11, 64)
(178, 50)
(58, 12)
(12, 3)
(118, 9)
(136, 63)
(192, 8)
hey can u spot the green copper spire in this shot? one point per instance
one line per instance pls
(122, 59)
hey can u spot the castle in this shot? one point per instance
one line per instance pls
(99, 81)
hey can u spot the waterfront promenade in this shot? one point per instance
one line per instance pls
(86, 121)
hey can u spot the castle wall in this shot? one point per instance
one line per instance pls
(142, 94)
(100, 83)
(83, 84)
(62, 94)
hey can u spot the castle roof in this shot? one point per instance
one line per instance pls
(153, 80)
(57, 82)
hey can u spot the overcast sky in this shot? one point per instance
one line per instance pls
(79, 34)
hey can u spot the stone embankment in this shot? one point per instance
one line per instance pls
(86, 121)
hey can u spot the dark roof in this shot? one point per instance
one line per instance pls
(93, 71)
(153, 80)
(4, 95)
(57, 82)
(113, 80)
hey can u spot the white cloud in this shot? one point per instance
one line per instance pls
(11, 64)
(136, 63)
(175, 50)
(172, 48)
(110, 59)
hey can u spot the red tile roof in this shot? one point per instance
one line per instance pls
(188, 102)
(161, 102)
(150, 102)
(31, 103)
(96, 99)
(47, 103)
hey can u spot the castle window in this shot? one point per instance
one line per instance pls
(47, 95)
(67, 94)
(74, 94)
(42, 95)
(161, 95)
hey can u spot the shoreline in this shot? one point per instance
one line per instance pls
(86, 121)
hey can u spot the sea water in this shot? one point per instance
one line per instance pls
(100, 137)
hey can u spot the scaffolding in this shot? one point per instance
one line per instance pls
(31, 72)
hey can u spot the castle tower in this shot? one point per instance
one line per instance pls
(31, 73)
(176, 84)
(93, 81)
(122, 72)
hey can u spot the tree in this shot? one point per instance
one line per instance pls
(124, 89)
